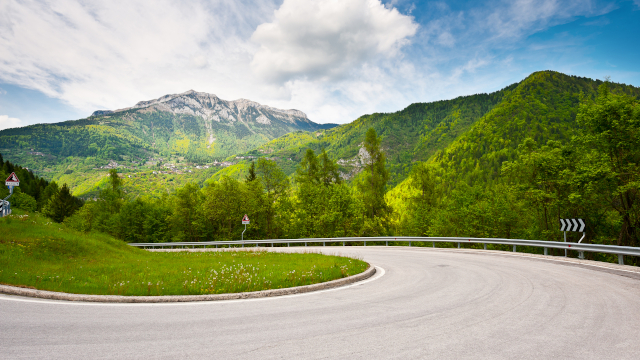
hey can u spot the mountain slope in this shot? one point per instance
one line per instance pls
(542, 107)
(189, 127)
(469, 136)
(413, 134)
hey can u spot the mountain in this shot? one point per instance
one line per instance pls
(469, 136)
(410, 135)
(192, 127)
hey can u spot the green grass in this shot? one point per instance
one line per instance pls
(37, 253)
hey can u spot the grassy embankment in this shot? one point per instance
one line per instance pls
(37, 253)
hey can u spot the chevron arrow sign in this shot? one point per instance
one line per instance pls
(572, 225)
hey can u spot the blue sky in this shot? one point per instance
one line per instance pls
(333, 59)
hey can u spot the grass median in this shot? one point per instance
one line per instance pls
(40, 254)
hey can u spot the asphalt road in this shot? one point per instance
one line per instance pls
(423, 303)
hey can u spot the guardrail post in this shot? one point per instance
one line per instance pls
(387, 242)
(485, 246)
(365, 243)
(514, 248)
(458, 245)
(546, 251)
(288, 244)
(433, 243)
(343, 243)
(620, 259)
(581, 255)
(409, 243)
(324, 243)
(305, 243)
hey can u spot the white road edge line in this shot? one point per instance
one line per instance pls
(558, 259)
(379, 273)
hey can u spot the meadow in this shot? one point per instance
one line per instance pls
(38, 253)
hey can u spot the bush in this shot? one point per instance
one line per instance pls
(23, 201)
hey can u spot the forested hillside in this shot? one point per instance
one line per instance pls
(528, 163)
(413, 134)
(194, 128)
(543, 107)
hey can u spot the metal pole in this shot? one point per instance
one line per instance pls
(433, 243)
(387, 242)
(514, 248)
(458, 245)
(485, 246)
(365, 243)
(565, 240)
(409, 243)
(545, 251)
(620, 259)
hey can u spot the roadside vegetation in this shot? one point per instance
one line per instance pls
(38, 253)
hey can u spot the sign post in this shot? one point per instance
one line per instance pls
(12, 181)
(576, 225)
(5, 206)
(245, 221)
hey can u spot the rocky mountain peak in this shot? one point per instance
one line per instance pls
(211, 108)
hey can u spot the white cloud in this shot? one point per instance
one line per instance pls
(515, 19)
(112, 54)
(327, 39)
(7, 123)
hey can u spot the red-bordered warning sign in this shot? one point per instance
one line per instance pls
(12, 180)
(245, 219)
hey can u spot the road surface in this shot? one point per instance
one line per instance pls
(423, 303)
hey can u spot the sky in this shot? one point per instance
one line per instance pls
(335, 60)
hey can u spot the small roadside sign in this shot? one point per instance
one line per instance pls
(245, 219)
(576, 225)
(12, 180)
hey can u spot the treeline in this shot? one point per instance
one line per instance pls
(37, 194)
(317, 204)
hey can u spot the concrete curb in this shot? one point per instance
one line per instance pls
(52, 295)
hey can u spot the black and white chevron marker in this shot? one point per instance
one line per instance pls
(572, 225)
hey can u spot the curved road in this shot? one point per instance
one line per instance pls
(435, 304)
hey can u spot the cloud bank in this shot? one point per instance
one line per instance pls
(333, 59)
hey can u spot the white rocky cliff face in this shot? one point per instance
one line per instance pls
(212, 108)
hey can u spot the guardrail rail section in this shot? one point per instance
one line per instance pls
(620, 251)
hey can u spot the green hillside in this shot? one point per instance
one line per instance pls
(542, 107)
(174, 135)
(469, 136)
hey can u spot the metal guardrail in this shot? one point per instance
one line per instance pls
(620, 251)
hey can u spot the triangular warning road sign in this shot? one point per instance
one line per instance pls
(12, 179)
(245, 219)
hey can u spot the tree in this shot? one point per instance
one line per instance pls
(112, 196)
(187, 219)
(275, 184)
(374, 178)
(62, 205)
(423, 181)
(252, 173)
